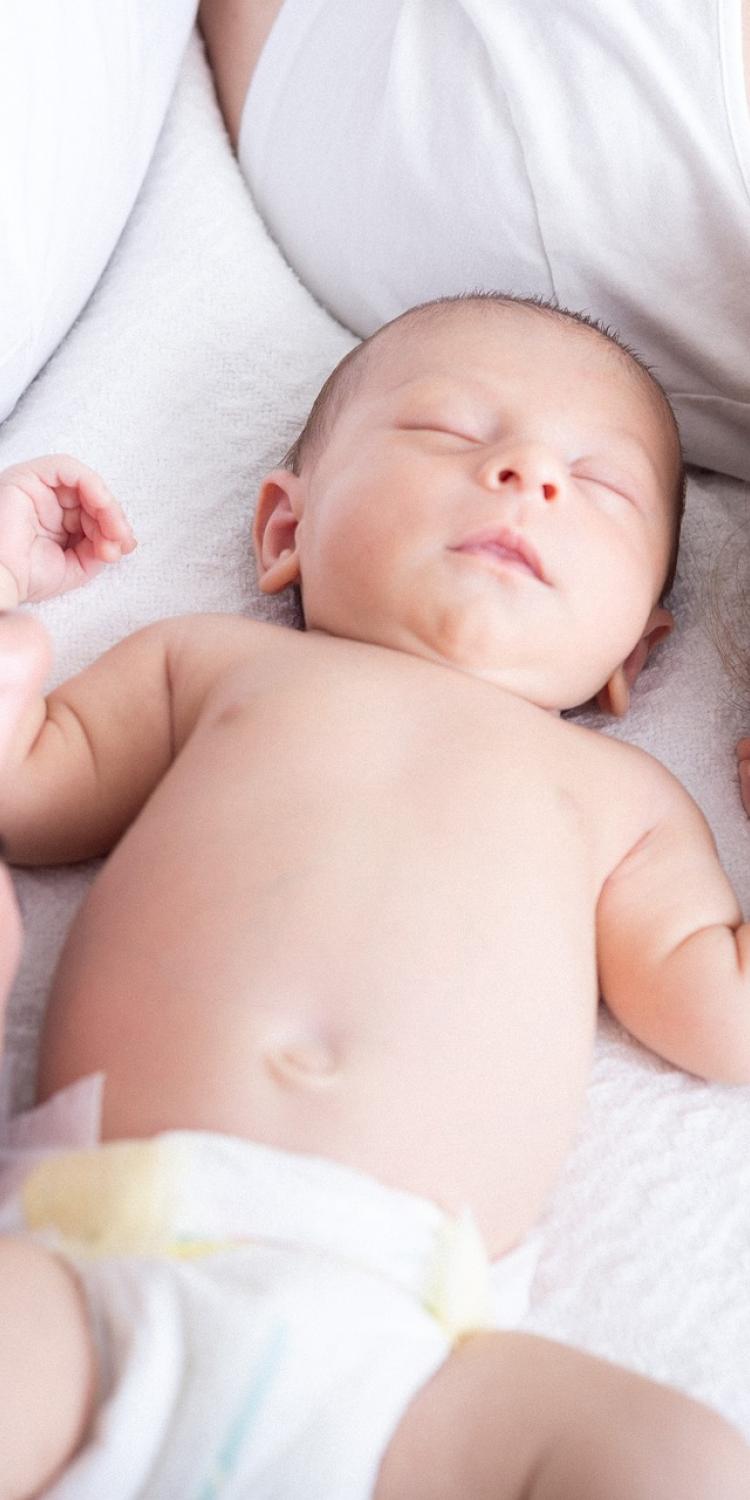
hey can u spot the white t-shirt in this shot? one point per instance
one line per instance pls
(595, 151)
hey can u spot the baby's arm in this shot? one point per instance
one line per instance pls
(85, 760)
(47, 1368)
(674, 952)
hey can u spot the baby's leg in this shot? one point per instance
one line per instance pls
(47, 1368)
(515, 1417)
(46, 1361)
(235, 33)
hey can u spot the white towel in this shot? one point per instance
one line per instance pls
(186, 377)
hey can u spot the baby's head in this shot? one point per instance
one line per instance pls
(491, 483)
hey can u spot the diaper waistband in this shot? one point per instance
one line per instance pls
(185, 1194)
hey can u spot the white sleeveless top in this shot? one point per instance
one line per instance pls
(596, 151)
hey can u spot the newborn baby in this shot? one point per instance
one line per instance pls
(340, 974)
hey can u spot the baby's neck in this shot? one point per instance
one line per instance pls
(435, 659)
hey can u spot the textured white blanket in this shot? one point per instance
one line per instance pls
(185, 378)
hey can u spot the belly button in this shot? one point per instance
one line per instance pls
(303, 1062)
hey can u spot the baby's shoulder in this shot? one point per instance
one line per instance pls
(627, 790)
(207, 653)
(629, 766)
(223, 636)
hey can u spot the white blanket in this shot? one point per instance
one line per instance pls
(185, 378)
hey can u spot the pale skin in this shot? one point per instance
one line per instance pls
(335, 852)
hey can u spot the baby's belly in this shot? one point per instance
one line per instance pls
(391, 969)
(464, 1094)
(485, 1128)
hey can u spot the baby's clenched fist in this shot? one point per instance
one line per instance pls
(59, 526)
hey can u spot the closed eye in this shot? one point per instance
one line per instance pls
(435, 431)
(614, 486)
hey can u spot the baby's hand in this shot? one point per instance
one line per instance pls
(59, 526)
(743, 768)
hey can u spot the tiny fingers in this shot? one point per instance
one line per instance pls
(62, 490)
(105, 547)
(82, 493)
(102, 522)
(114, 525)
(106, 551)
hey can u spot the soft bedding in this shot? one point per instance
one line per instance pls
(185, 378)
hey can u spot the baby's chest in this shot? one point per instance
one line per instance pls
(429, 766)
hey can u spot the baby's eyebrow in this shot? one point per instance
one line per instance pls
(476, 398)
(441, 385)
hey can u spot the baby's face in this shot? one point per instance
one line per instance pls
(496, 495)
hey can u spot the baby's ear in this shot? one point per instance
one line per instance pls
(277, 515)
(614, 697)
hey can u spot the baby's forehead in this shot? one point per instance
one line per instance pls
(580, 379)
(474, 346)
(514, 357)
(510, 362)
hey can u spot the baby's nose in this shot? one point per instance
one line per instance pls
(528, 470)
(549, 487)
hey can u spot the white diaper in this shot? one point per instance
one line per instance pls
(262, 1319)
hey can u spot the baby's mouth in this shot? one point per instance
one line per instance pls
(507, 547)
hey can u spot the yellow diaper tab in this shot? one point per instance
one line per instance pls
(459, 1288)
(134, 1198)
(116, 1199)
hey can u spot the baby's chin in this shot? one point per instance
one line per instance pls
(455, 640)
(521, 681)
